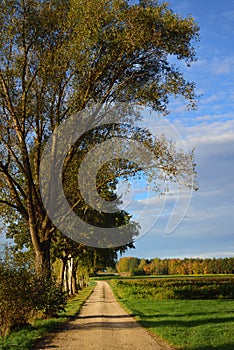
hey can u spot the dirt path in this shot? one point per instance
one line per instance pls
(102, 324)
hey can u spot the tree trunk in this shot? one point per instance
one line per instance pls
(69, 272)
(74, 277)
(42, 259)
(65, 281)
(62, 273)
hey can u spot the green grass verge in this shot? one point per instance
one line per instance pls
(186, 324)
(24, 338)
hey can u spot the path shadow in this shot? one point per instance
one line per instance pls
(103, 316)
(96, 322)
(225, 346)
(180, 323)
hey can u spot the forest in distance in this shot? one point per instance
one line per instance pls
(174, 266)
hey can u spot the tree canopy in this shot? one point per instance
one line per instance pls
(58, 57)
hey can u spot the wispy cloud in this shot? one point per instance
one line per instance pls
(229, 15)
(216, 254)
(223, 65)
(207, 228)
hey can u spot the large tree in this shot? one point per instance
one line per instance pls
(57, 57)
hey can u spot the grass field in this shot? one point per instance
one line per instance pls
(25, 337)
(103, 277)
(186, 324)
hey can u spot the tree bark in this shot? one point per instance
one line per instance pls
(42, 259)
(74, 277)
(62, 273)
(69, 275)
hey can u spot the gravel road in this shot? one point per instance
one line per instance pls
(102, 324)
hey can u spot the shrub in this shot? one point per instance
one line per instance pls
(49, 299)
(23, 295)
(15, 299)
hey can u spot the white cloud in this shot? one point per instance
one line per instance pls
(208, 227)
(228, 15)
(210, 133)
(209, 220)
(215, 254)
(223, 65)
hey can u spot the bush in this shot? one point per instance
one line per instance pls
(49, 299)
(15, 299)
(23, 295)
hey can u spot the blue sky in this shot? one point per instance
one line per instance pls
(207, 229)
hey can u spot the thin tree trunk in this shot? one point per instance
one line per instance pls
(62, 273)
(74, 276)
(65, 279)
(69, 270)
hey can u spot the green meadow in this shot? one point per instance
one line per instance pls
(186, 323)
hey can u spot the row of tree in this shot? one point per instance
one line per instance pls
(186, 266)
(71, 263)
(57, 58)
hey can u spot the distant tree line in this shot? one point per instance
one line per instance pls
(186, 266)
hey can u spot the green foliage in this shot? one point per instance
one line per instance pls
(16, 305)
(85, 261)
(176, 288)
(57, 57)
(50, 299)
(130, 266)
(25, 338)
(23, 295)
